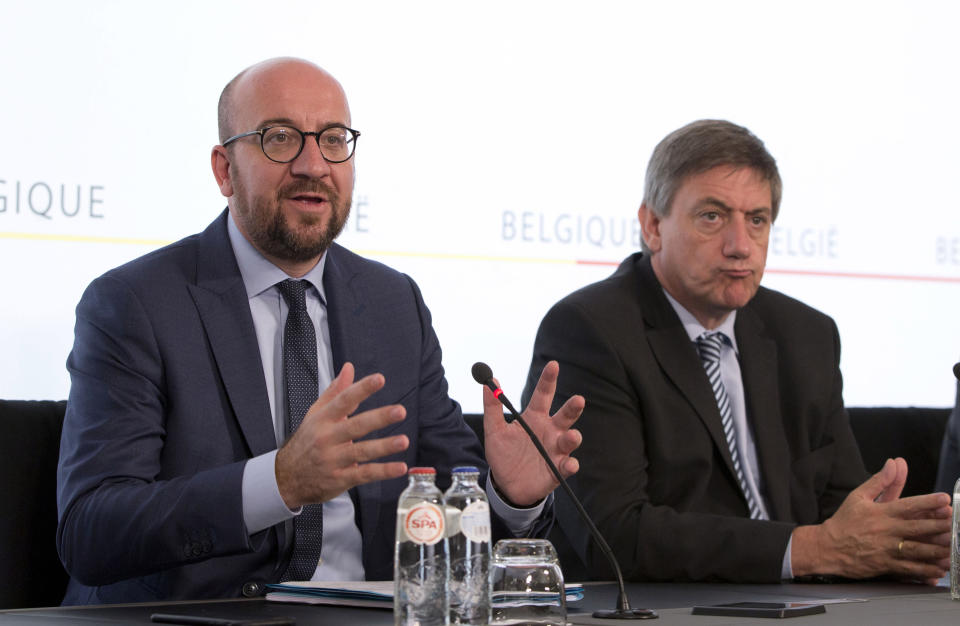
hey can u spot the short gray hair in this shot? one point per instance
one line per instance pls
(700, 146)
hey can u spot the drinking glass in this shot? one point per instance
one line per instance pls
(527, 583)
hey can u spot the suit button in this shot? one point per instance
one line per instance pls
(252, 589)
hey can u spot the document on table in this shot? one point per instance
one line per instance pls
(367, 593)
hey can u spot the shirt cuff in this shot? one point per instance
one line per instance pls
(263, 506)
(786, 570)
(519, 521)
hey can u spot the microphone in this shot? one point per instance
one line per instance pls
(484, 375)
(956, 370)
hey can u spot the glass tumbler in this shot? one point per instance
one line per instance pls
(527, 583)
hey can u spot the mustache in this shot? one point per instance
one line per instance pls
(312, 185)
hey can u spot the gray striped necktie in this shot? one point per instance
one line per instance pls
(300, 376)
(709, 347)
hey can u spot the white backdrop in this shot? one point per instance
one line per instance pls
(109, 114)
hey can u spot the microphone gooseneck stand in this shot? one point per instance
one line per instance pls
(484, 375)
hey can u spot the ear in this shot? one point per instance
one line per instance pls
(220, 162)
(649, 227)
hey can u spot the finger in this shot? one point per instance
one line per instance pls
(568, 441)
(915, 529)
(873, 487)
(918, 570)
(373, 472)
(886, 479)
(569, 466)
(347, 401)
(929, 505)
(542, 397)
(938, 513)
(567, 415)
(943, 539)
(492, 412)
(362, 424)
(921, 551)
(895, 488)
(343, 380)
(372, 449)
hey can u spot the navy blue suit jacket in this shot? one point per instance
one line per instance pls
(168, 401)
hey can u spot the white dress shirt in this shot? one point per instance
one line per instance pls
(733, 383)
(341, 558)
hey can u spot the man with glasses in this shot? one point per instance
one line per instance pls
(193, 364)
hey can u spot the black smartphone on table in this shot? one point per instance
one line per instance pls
(761, 609)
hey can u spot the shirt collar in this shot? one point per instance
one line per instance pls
(258, 273)
(695, 329)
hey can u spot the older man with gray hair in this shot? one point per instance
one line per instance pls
(716, 444)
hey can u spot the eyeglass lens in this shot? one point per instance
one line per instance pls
(283, 143)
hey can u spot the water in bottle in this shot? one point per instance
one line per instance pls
(420, 566)
(468, 531)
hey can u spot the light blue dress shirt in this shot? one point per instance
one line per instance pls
(263, 506)
(733, 383)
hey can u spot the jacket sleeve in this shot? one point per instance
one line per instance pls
(119, 515)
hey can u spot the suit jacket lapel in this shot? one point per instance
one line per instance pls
(678, 357)
(350, 336)
(758, 367)
(221, 301)
(351, 340)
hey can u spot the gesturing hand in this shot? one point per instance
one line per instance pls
(875, 532)
(519, 471)
(323, 459)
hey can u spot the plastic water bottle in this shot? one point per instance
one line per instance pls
(420, 567)
(468, 531)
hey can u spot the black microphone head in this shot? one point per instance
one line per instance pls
(481, 372)
(956, 370)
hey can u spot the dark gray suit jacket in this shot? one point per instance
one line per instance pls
(168, 402)
(655, 469)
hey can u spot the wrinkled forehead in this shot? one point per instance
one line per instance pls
(727, 179)
(296, 91)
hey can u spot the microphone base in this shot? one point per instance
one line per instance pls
(626, 614)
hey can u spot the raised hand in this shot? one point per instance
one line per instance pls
(518, 470)
(323, 457)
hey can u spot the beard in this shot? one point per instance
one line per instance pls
(271, 232)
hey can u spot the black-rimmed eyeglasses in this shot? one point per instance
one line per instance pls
(283, 144)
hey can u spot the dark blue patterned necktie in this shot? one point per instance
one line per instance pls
(300, 377)
(709, 347)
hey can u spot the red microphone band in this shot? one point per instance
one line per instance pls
(497, 393)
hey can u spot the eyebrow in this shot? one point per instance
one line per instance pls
(286, 121)
(720, 204)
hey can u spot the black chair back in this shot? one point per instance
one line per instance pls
(31, 574)
(915, 433)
